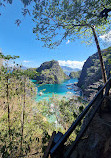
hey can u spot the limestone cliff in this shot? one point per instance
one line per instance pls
(91, 77)
(75, 74)
(50, 73)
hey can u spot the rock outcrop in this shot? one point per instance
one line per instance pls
(91, 77)
(96, 142)
(75, 74)
(50, 73)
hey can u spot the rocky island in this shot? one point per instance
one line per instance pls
(50, 73)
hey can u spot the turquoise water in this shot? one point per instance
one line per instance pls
(59, 89)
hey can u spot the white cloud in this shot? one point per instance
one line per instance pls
(26, 61)
(68, 42)
(106, 37)
(72, 64)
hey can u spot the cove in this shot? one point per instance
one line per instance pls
(59, 89)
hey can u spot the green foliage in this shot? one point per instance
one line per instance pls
(31, 73)
(25, 126)
(16, 92)
(66, 111)
(45, 139)
(75, 74)
(50, 73)
(71, 18)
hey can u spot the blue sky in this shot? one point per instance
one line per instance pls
(21, 41)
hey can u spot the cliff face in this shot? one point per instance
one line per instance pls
(91, 77)
(75, 74)
(96, 142)
(50, 73)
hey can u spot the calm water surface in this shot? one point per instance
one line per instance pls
(59, 89)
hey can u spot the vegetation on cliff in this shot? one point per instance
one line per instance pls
(31, 73)
(50, 73)
(75, 74)
(67, 70)
(91, 72)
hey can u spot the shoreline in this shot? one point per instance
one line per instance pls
(66, 89)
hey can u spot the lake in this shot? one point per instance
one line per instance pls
(59, 89)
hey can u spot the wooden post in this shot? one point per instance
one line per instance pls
(46, 154)
(107, 89)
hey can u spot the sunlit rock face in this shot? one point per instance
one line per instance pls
(91, 76)
(50, 73)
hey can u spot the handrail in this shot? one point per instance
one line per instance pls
(83, 130)
(76, 122)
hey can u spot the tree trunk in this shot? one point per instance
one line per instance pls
(8, 108)
(100, 56)
(22, 119)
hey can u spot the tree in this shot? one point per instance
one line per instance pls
(23, 10)
(7, 76)
(69, 19)
(58, 20)
(25, 2)
(1, 60)
(17, 116)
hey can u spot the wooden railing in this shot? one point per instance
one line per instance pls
(94, 105)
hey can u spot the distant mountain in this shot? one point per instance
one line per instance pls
(67, 70)
(76, 69)
(24, 68)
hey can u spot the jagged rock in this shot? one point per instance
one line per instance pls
(50, 73)
(96, 142)
(91, 76)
